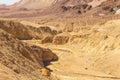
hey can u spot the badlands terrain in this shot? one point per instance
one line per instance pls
(60, 40)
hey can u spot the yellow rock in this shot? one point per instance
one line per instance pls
(45, 72)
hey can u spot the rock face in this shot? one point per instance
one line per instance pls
(15, 28)
(61, 39)
(47, 39)
(21, 59)
(78, 8)
(25, 32)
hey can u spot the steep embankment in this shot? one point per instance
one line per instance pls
(21, 60)
(26, 31)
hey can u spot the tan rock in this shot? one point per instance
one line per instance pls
(45, 72)
(61, 38)
(27, 32)
(48, 55)
(47, 39)
(23, 61)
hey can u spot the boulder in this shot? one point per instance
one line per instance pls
(45, 72)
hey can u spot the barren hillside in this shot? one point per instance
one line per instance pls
(34, 4)
(19, 59)
(60, 40)
(61, 8)
(90, 53)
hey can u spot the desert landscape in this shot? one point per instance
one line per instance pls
(60, 40)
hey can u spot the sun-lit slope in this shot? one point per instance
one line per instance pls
(92, 53)
(96, 3)
(16, 56)
(34, 4)
(59, 8)
(96, 51)
(24, 30)
(18, 60)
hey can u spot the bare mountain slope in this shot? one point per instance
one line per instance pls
(26, 31)
(34, 4)
(21, 60)
(91, 53)
(66, 8)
